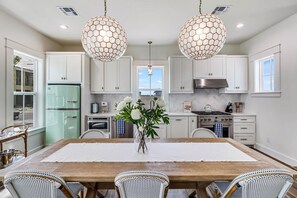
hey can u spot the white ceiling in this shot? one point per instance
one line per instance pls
(143, 20)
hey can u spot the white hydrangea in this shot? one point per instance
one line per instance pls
(121, 106)
(135, 114)
(160, 102)
(128, 99)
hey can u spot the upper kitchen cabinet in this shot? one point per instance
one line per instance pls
(237, 74)
(64, 67)
(214, 67)
(181, 80)
(111, 77)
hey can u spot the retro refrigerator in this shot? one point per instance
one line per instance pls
(62, 112)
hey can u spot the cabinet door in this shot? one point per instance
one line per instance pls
(178, 127)
(162, 131)
(74, 68)
(71, 124)
(124, 75)
(175, 75)
(56, 71)
(111, 77)
(230, 65)
(192, 124)
(201, 69)
(241, 74)
(217, 65)
(97, 74)
(187, 75)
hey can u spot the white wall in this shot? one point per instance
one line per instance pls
(276, 117)
(20, 33)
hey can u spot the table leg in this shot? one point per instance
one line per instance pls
(201, 189)
(91, 190)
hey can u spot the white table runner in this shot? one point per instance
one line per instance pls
(159, 152)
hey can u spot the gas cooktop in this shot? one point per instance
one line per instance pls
(210, 113)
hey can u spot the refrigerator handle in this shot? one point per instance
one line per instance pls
(72, 101)
(71, 117)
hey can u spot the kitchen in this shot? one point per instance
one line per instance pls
(274, 115)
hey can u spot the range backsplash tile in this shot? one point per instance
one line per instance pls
(112, 99)
(200, 98)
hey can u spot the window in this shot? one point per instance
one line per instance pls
(150, 86)
(267, 72)
(25, 75)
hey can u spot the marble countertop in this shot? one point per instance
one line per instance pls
(104, 115)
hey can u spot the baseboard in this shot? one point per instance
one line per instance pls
(35, 149)
(273, 153)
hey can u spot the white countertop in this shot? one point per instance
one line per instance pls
(104, 115)
(243, 114)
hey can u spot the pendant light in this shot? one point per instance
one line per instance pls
(150, 69)
(103, 38)
(202, 37)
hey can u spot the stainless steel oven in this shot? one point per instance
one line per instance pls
(101, 123)
(208, 120)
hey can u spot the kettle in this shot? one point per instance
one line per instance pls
(207, 108)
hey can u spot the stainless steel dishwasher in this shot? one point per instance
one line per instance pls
(128, 129)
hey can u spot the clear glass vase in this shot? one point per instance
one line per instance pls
(142, 143)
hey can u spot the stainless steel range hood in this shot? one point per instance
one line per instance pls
(210, 83)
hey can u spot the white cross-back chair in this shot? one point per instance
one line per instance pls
(203, 133)
(141, 184)
(29, 184)
(92, 133)
(266, 183)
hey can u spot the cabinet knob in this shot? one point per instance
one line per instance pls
(243, 139)
(178, 119)
(102, 88)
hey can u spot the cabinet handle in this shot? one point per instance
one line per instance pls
(71, 117)
(181, 87)
(243, 119)
(178, 119)
(193, 120)
(102, 88)
(244, 139)
(71, 101)
(61, 78)
(243, 128)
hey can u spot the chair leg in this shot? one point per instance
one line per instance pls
(193, 194)
(99, 194)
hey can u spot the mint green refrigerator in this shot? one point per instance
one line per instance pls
(62, 112)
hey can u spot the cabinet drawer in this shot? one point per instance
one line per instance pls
(244, 119)
(244, 128)
(248, 139)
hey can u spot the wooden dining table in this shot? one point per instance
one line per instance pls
(182, 175)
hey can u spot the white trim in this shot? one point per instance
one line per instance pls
(273, 153)
(35, 149)
(266, 94)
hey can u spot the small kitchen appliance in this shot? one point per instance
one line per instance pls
(229, 108)
(94, 108)
(104, 107)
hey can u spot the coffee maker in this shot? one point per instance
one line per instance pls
(238, 107)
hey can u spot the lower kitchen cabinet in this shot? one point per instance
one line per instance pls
(162, 130)
(178, 127)
(244, 129)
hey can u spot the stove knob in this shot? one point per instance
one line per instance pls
(209, 119)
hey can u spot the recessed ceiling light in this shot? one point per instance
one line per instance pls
(64, 27)
(239, 25)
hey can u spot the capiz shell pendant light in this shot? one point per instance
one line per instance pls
(103, 38)
(202, 37)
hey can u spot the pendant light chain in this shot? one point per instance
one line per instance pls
(200, 4)
(105, 10)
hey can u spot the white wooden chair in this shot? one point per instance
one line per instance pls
(144, 184)
(266, 183)
(203, 133)
(28, 184)
(92, 133)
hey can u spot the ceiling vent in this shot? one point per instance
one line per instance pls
(68, 11)
(220, 10)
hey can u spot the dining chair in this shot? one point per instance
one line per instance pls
(28, 184)
(203, 133)
(92, 133)
(264, 183)
(141, 184)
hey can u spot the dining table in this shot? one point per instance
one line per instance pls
(194, 169)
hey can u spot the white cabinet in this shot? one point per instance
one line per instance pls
(181, 77)
(178, 127)
(162, 130)
(244, 129)
(237, 74)
(210, 68)
(192, 124)
(64, 67)
(97, 76)
(111, 77)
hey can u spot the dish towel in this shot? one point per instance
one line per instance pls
(121, 126)
(218, 129)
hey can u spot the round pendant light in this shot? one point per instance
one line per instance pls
(103, 38)
(202, 37)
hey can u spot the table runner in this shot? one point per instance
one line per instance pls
(158, 152)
